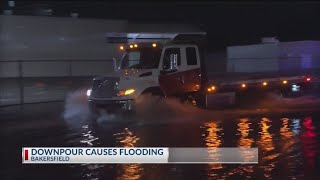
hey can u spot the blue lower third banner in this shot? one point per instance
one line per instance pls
(143, 155)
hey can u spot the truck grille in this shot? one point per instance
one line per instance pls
(104, 87)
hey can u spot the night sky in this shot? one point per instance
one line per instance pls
(227, 23)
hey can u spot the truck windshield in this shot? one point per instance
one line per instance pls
(141, 58)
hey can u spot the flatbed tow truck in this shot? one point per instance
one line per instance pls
(177, 66)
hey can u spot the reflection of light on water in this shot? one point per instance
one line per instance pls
(89, 138)
(286, 135)
(296, 126)
(244, 142)
(265, 137)
(244, 129)
(267, 147)
(90, 170)
(287, 143)
(213, 140)
(128, 171)
(309, 142)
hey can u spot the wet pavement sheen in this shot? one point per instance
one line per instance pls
(288, 142)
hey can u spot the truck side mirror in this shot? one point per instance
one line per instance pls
(115, 64)
(173, 62)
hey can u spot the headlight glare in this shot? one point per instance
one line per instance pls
(126, 92)
(89, 92)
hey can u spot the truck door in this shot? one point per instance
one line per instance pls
(186, 76)
(191, 69)
(170, 78)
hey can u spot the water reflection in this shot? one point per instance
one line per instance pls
(309, 144)
(287, 146)
(267, 147)
(296, 127)
(90, 171)
(128, 171)
(89, 138)
(244, 129)
(213, 139)
(244, 142)
(286, 136)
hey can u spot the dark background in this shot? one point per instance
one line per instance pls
(227, 23)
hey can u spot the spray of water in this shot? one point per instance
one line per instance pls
(274, 101)
(154, 110)
(151, 109)
(77, 110)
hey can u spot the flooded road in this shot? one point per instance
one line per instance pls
(289, 141)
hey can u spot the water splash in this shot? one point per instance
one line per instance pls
(77, 112)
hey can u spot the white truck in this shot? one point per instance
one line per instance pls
(178, 68)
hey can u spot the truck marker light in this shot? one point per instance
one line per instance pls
(243, 85)
(131, 46)
(211, 89)
(264, 83)
(121, 48)
(284, 82)
(154, 45)
(136, 45)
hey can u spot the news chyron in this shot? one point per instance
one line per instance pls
(141, 155)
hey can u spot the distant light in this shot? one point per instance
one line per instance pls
(308, 79)
(131, 46)
(75, 15)
(209, 89)
(136, 45)
(11, 3)
(295, 88)
(284, 82)
(154, 45)
(213, 88)
(121, 48)
(243, 85)
(264, 83)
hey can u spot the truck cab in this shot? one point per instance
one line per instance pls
(159, 68)
(135, 74)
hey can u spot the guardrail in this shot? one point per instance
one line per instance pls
(29, 81)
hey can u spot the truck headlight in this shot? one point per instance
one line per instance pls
(89, 92)
(126, 92)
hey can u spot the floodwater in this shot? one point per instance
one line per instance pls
(287, 134)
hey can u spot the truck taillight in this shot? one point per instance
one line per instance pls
(308, 79)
